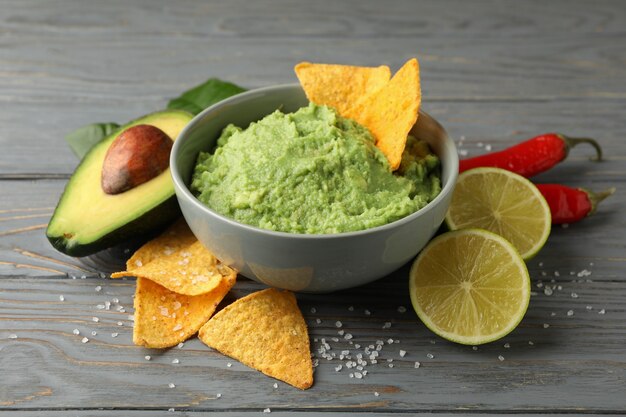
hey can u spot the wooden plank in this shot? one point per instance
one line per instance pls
(581, 353)
(496, 124)
(576, 364)
(122, 62)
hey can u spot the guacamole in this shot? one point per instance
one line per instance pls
(314, 172)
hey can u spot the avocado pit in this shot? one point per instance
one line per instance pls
(137, 155)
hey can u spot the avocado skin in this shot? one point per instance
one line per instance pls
(154, 220)
(145, 224)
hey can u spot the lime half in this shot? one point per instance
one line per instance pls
(504, 203)
(470, 286)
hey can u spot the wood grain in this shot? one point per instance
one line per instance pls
(493, 72)
(578, 363)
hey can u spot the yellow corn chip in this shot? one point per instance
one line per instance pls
(177, 261)
(265, 331)
(340, 86)
(164, 318)
(391, 112)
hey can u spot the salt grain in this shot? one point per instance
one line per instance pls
(474, 347)
(175, 361)
(95, 319)
(367, 313)
(574, 295)
(530, 342)
(114, 334)
(351, 308)
(119, 323)
(570, 313)
(218, 395)
(318, 321)
(430, 355)
(93, 333)
(147, 357)
(98, 288)
(500, 358)
(546, 325)
(376, 394)
(402, 309)
(387, 325)
(275, 385)
(180, 345)
(402, 353)
(313, 310)
(12, 336)
(61, 298)
(267, 411)
(417, 365)
(171, 385)
(548, 291)
(229, 364)
(76, 331)
(84, 340)
(603, 311)
(507, 345)
(338, 323)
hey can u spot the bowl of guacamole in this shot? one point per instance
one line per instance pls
(293, 195)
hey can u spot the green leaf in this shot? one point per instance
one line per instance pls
(204, 95)
(194, 101)
(82, 139)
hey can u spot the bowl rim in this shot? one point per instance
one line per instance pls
(184, 191)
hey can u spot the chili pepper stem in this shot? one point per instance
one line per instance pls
(571, 142)
(596, 198)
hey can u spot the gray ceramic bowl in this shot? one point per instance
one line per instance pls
(299, 262)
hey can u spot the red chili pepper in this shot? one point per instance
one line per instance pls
(569, 205)
(532, 156)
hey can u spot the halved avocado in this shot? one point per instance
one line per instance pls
(88, 220)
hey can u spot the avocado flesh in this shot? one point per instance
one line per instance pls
(88, 220)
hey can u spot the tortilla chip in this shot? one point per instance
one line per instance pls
(265, 331)
(340, 86)
(164, 318)
(391, 112)
(177, 261)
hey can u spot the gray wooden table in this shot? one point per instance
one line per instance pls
(493, 72)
